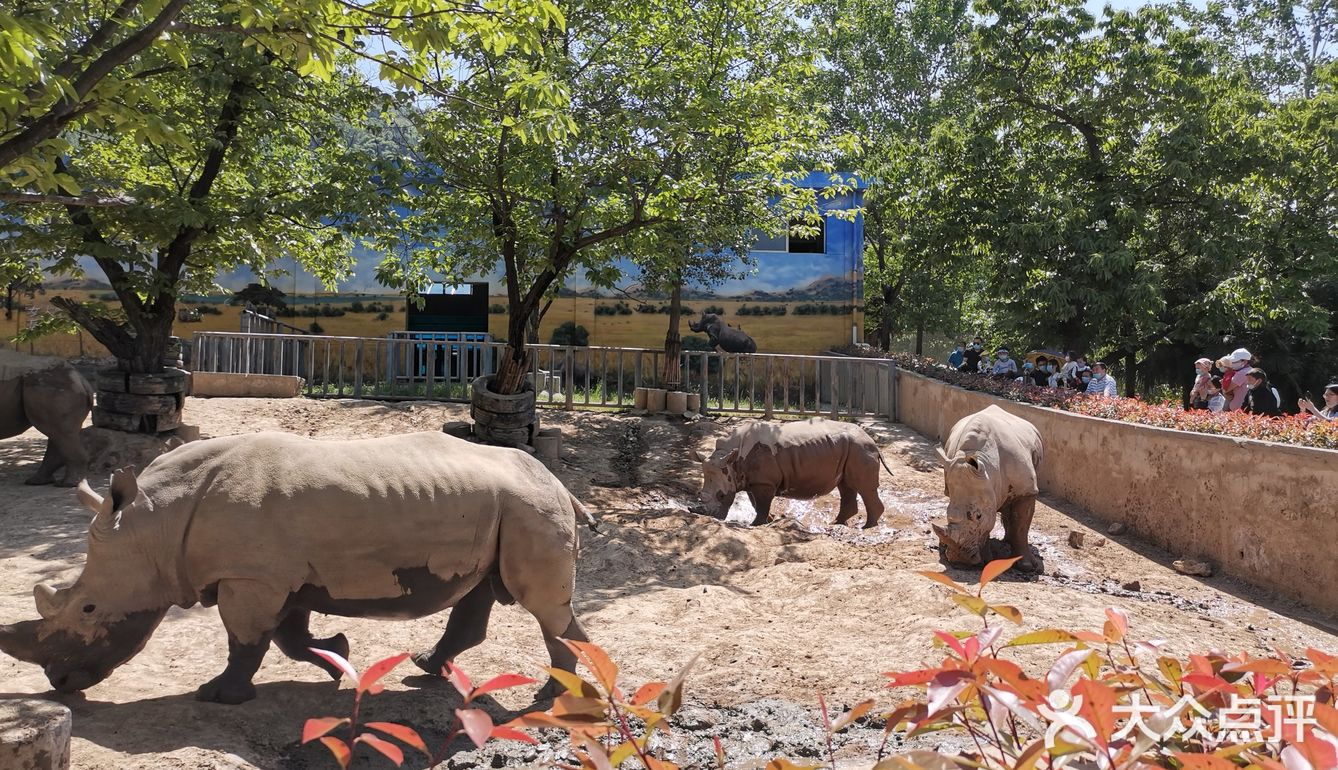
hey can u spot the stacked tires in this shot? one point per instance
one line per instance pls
(503, 420)
(143, 403)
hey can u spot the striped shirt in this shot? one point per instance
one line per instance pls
(1104, 386)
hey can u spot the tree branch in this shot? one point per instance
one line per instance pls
(91, 201)
(68, 108)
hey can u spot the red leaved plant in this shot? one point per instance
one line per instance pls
(472, 722)
(1070, 715)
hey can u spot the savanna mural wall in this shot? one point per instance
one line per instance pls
(799, 295)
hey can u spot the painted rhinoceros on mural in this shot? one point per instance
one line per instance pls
(989, 467)
(723, 336)
(800, 460)
(272, 527)
(47, 394)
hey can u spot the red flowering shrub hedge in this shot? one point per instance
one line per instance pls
(1292, 429)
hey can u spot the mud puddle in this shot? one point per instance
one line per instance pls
(767, 728)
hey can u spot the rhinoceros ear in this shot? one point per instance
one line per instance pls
(943, 455)
(698, 456)
(124, 488)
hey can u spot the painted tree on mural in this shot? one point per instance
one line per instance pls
(169, 140)
(652, 89)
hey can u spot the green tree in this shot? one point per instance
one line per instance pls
(1143, 190)
(550, 192)
(895, 74)
(68, 68)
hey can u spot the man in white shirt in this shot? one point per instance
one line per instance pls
(1102, 384)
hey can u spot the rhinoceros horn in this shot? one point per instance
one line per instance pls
(49, 601)
(19, 640)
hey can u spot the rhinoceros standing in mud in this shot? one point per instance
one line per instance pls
(989, 467)
(48, 394)
(272, 527)
(800, 460)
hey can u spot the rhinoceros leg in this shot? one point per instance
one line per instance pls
(761, 498)
(1017, 524)
(46, 470)
(234, 684)
(466, 628)
(559, 654)
(250, 613)
(849, 503)
(293, 638)
(873, 506)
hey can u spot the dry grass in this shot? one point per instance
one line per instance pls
(774, 334)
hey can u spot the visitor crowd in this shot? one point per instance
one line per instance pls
(1232, 383)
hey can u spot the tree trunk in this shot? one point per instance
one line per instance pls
(673, 342)
(920, 337)
(515, 363)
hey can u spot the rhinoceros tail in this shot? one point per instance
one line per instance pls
(582, 511)
(885, 465)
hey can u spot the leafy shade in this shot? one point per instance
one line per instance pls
(675, 110)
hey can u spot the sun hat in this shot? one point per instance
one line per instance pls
(1204, 361)
(1239, 354)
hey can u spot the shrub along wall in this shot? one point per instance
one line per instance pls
(1264, 512)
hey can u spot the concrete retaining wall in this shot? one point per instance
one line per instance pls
(1264, 512)
(228, 385)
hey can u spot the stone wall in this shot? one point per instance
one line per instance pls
(1264, 512)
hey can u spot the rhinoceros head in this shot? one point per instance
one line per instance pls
(107, 616)
(722, 478)
(705, 323)
(972, 509)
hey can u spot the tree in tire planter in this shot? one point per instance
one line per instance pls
(549, 193)
(503, 419)
(215, 183)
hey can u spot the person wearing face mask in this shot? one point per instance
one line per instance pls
(1216, 401)
(1004, 365)
(958, 356)
(1056, 372)
(1101, 383)
(1330, 410)
(973, 355)
(1040, 376)
(1260, 398)
(1234, 386)
(1203, 378)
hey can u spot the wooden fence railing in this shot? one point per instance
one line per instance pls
(568, 377)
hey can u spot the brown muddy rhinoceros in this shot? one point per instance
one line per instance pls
(272, 527)
(989, 467)
(799, 460)
(47, 394)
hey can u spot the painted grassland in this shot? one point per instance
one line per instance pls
(807, 327)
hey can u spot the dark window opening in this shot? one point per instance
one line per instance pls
(814, 243)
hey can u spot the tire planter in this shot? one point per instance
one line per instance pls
(503, 420)
(140, 403)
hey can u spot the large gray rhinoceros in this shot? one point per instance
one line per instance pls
(48, 394)
(989, 467)
(800, 460)
(272, 527)
(722, 336)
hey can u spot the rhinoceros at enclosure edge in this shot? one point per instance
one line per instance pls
(48, 394)
(989, 467)
(800, 460)
(272, 527)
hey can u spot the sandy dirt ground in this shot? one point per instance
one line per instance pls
(779, 614)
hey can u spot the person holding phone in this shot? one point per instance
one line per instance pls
(1330, 410)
